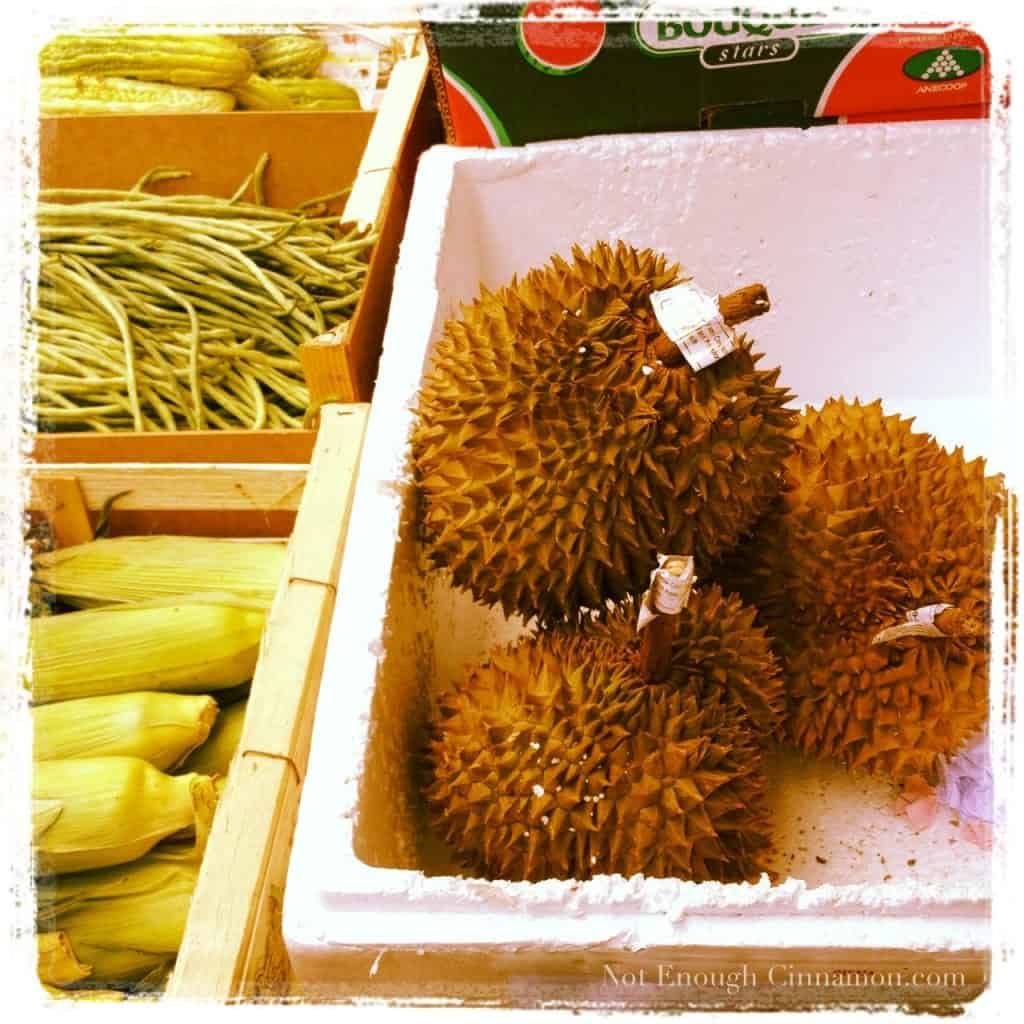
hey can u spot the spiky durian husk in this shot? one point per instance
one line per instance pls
(556, 456)
(555, 759)
(718, 649)
(874, 520)
(898, 709)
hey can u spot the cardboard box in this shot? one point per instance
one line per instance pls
(312, 153)
(552, 70)
(848, 233)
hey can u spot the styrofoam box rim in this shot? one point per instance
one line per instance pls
(335, 901)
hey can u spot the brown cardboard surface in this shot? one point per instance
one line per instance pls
(311, 152)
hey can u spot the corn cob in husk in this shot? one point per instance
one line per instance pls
(214, 756)
(161, 728)
(95, 812)
(185, 644)
(56, 963)
(119, 570)
(124, 922)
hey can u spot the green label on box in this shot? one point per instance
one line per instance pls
(521, 73)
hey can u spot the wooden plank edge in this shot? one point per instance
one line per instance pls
(387, 139)
(322, 522)
(179, 488)
(230, 945)
(185, 446)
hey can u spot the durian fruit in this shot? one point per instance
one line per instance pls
(556, 454)
(875, 520)
(557, 759)
(898, 709)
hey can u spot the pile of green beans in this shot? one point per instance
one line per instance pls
(185, 312)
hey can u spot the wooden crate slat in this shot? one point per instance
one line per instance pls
(181, 488)
(258, 803)
(405, 126)
(266, 971)
(322, 523)
(232, 942)
(203, 522)
(219, 446)
(385, 146)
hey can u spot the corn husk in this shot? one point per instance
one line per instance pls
(214, 756)
(189, 645)
(161, 728)
(130, 569)
(56, 962)
(125, 922)
(95, 812)
(155, 981)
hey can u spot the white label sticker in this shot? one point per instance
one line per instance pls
(928, 614)
(920, 622)
(668, 594)
(691, 318)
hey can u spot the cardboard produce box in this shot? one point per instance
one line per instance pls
(847, 233)
(312, 153)
(552, 70)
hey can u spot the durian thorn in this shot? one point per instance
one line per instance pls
(736, 308)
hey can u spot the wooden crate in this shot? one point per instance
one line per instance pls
(232, 945)
(220, 484)
(312, 153)
(343, 367)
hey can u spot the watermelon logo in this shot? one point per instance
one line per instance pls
(473, 119)
(951, 62)
(561, 37)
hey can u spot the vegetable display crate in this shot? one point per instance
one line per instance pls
(296, 484)
(847, 227)
(311, 153)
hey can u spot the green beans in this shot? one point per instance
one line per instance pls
(170, 312)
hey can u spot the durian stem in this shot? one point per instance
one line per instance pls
(660, 633)
(744, 304)
(736, 308)
(955, 622)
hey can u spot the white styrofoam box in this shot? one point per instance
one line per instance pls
(873, 242)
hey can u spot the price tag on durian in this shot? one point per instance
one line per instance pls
(669, 592)
(920, 622)
(691, 318)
